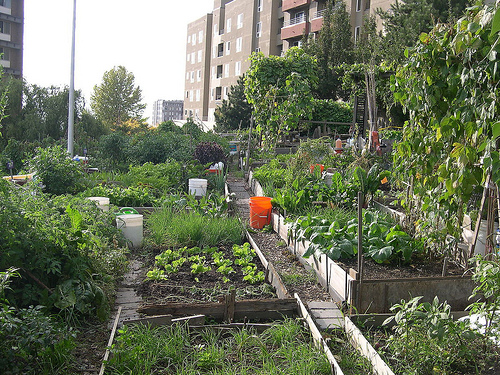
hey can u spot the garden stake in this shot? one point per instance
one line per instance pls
(478, 222)
(360, 244)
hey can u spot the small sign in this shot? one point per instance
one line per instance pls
(10, 165)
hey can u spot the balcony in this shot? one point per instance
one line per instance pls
(294, 21)
(290, 4)
(294, 30)
(317, 21)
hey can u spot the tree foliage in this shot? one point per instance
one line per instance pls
(235, 112)
(332, 48)
(405, 20)
(117, 99)
(449, 86)
(280, 91)
(34, 112)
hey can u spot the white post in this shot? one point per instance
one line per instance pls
(71, 101)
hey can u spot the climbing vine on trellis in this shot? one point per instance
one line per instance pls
(449, 85)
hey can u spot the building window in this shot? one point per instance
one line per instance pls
(218, 93)
(187, 94)
(239, 44)
(213, 72)
(226, 70)
(200, 55)
(219, 71)
(258, 29)
(193, 39)
(228, 25)
(367, 4)
(228, 48)
(198, 95)
(191, 95)
(200, 36)
(259, 5)
(189, 39)
(220, 50)
(188, 57)
(187, 76)
(5, 3)
(237, 68)
(226, 90)
(357, 34)
(193, 60)
(192, 77)
(216, 29)
(198, 77)
(257, 49)
(239, 23)
(358, 5)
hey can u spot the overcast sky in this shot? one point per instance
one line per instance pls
(147, 37)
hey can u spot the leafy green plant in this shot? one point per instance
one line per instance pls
(134, 196)
(383, 241)
(57, 171)
(427, 339)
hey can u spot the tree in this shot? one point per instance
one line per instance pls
(235, 112)
(34, 112)
(280, 91)
(117, 100)
(405, 20)
(332, 48)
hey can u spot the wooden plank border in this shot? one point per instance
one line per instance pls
(317, 337)
(359, 342)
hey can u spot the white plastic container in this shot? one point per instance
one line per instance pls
(198, 187)
(131, 226)
(102, 202)
(327, 176)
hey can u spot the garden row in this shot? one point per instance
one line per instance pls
(319, 221)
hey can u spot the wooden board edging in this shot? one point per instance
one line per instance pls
(317, 337)
(357, 340)
(110, 341)
(272, 275)
(251, 309)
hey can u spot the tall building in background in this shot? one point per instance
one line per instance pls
(220, 43)
(167, 110)
(11, 36)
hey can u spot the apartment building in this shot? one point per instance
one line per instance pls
(233, 30)
(166, 110)
(11, 36)
(220, 43)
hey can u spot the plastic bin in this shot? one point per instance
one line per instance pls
(131, 226)
(260, 212)
(198, 186)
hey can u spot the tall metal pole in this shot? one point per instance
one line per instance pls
(71, 101)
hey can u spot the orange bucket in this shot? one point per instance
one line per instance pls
(260, 212)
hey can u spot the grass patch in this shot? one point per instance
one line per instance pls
(173, 228)
(285, 348)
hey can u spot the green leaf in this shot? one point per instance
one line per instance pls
(495, 24)
(495, 128)
(381, 255)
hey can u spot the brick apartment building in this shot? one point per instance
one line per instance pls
(219, 43)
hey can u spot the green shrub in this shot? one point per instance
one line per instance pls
(164, 176)
(134, 196)
(65, 248)
(58, 173)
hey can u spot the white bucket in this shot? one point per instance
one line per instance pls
(131, 227)
(198, 186)
(102, 202)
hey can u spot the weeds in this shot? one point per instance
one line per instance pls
(285, 348)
